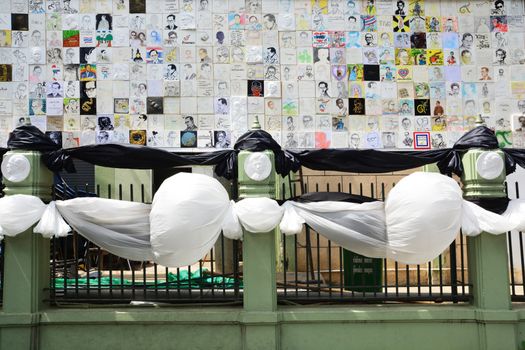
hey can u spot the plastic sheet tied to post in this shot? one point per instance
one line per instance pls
(420, 218)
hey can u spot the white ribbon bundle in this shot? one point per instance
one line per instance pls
(420, 218)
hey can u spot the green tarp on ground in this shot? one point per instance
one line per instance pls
(182, 280)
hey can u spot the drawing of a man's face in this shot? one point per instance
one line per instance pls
(90, 89)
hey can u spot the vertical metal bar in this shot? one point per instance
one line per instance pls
(383, 195)
(453, 272)
(318, 249)
(110, 267)
(156, 281)
(167, 281)
(385, 277)
(396, 266)
(120, 262)
(285, 266)
(53, 267)
(88, 267)
(2, 269)
(309, 260)
(89, 258)
(296, 272)
(282, 237)
(341, 273)
(212, 262)
(110, 256)
(76, 257)
(418, 280)
(52, 286)
(309, 257)
(99, 271)
(329, 269)
(64, 265)
(429, 275)
(407, 277)
(189, 282)
(133, 285)
(223, 266)
(178, 282)
(144, 282)
(201, 284)
(440, 275)
(462, 258)
(511, 262)
(318, 265)
(132, 282)
(520, 235)
(522, 261)
(236, 273)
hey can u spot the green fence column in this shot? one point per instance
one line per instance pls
(26, 259)
(483, 177)
(257, 179)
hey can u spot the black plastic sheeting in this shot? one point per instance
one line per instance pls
(349, 160)
(332, 196)
(373, 161)
(260, 140)
(29, 137)
(495, 205)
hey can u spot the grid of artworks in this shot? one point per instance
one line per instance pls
(413, 74)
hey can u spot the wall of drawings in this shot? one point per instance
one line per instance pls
(411, 74)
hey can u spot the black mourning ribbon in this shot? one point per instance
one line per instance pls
(29, 137)
(374, 161)
(225, 161)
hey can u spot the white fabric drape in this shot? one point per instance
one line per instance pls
(254, 214)
(120, 227)
(420, 218)
(186, 218)
(476, 219)
(359, 227)
(258, 214)
(52, 224)
(18, 213)
(423, 216)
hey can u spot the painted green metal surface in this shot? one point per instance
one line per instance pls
(475, 186)
(259, 263)
(26, 261)
(37, 183)
(107, 181)
(487, 256)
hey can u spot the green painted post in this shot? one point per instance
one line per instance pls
(488, 262)
(483, 177)
(257, 178)
(26, 260)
